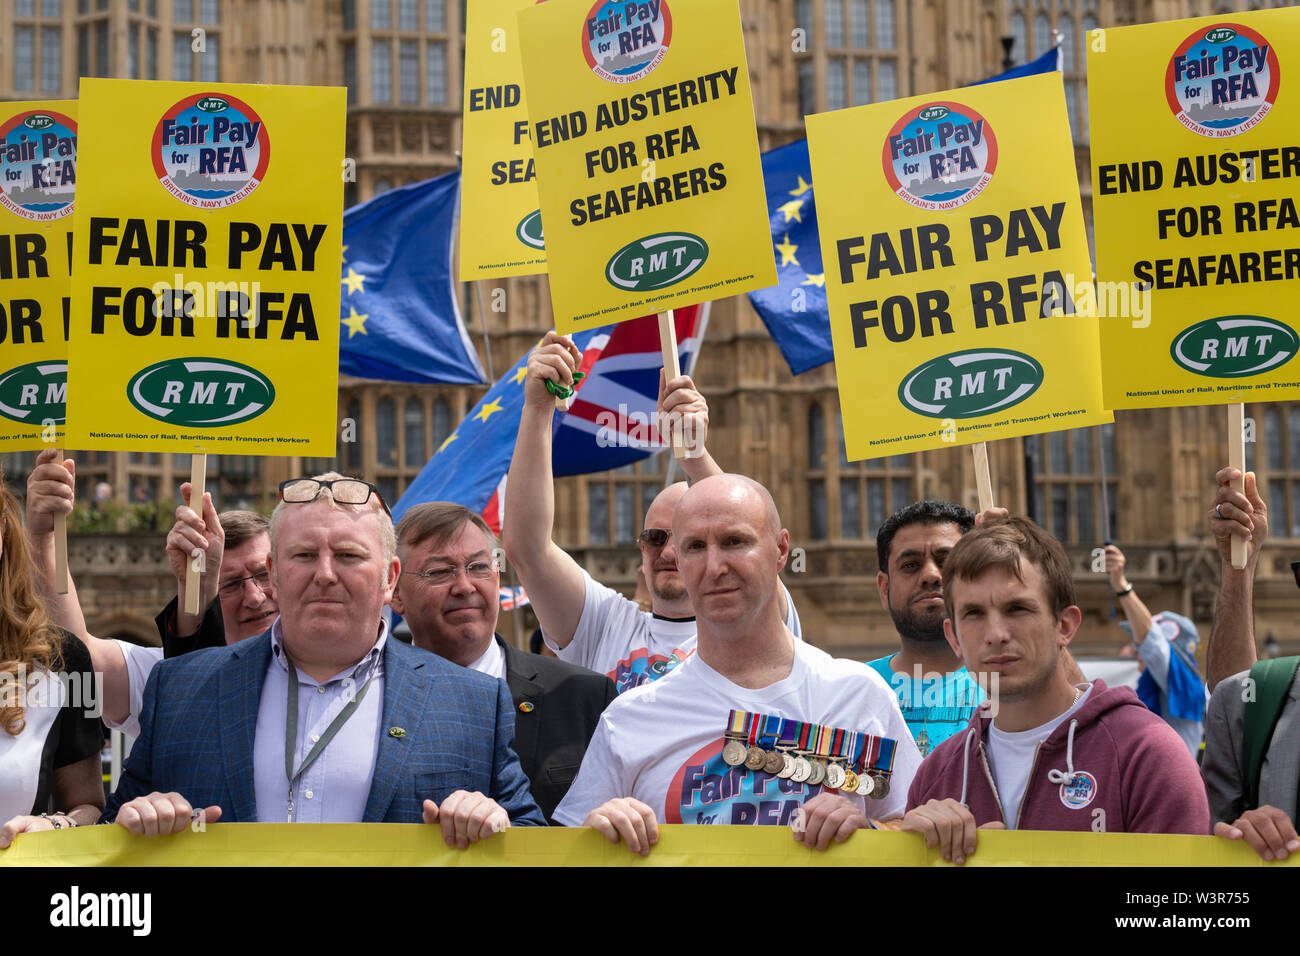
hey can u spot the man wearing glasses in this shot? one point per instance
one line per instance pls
(448, 593)
(403, 735)
(235, 595)
(583, 621)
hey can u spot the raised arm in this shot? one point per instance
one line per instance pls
(1135, 609)
(681, 406)
(189, 537)
(50, 492)
(552, 578)
(1232, 639)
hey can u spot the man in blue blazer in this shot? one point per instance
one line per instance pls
(324, 718)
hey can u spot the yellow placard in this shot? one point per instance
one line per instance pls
(647, 156)
(205, 270)
(410, 844)
(956, 266)
(1195, 178)
(500, 216)
(38, 177)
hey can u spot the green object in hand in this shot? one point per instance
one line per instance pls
(559, 391)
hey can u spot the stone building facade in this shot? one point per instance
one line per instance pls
(401, 61)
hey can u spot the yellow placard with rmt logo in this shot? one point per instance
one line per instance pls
(647, 156)
(206, 268)
(956, 268)
(38, 179)
(1195, 179)
(500, 217)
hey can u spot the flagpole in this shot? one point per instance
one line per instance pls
(487, 346)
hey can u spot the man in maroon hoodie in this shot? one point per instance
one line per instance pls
(1042, 754)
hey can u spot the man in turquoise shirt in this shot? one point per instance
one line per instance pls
(935, 691)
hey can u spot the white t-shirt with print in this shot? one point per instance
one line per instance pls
(630, 646)
(662, 743)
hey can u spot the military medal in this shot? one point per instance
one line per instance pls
(850, 784)
(885, 768)
(819, 749)
(788, 730)
(755, 756)
(772, 759)
(866, 778)
(733, 751)
(802, 765)
(834, 771)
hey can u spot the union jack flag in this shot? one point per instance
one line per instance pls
(610, 422)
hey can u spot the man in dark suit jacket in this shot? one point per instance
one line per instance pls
(435, 739)
(449, 595)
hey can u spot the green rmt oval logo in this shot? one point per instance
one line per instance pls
(529, 230)
(656, 262)
(35, 393)
(931, 113)
(39, 121)
(1220, 35)
(970, 383)
(1234, 346)
(212, 104)
(200, 392)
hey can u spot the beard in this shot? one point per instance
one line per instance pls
(924, 626)
(672, 588)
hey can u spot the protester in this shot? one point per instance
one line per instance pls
(126, 666)
(1252, 757)
(1244, 516)
(935, 690)
(585, 622)
(1043, 753)
(235, 603)
(1166, 643)
(660, 750)
(211, 734)
(448, 595)
(1251, 764)
(50, 736)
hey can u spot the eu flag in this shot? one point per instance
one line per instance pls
(400, 319)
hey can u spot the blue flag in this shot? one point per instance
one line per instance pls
(400, 319)
(794, 310)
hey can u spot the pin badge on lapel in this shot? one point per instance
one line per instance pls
(398, 732)
(526, 707)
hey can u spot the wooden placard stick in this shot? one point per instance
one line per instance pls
(983, 482)
(672, 369)
(193, 573)
(1237, 459)
(60, 543)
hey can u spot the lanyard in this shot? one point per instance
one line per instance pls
(291, 730)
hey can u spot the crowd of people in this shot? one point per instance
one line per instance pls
(288, 698)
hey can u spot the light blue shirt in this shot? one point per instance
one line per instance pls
(934, 708)
(335, 788)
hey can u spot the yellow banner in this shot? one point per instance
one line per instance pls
(205, 283)
(1195, 174)
(500, 218)
(647, 156)
(38, 177)
(397, 844)
(956, 267)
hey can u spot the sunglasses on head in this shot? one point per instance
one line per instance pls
(655, 537)
(345, 491)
